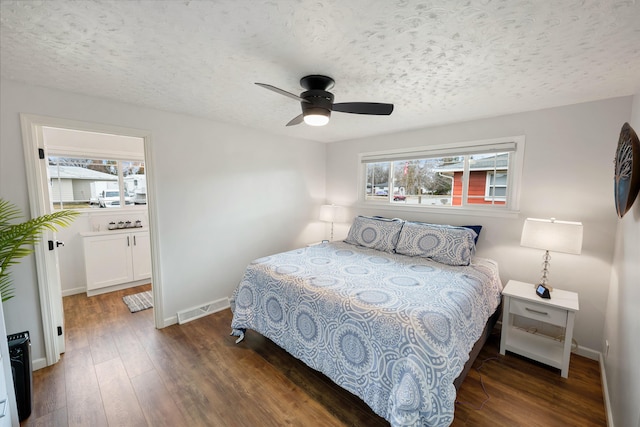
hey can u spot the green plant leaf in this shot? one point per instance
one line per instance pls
(18, 240)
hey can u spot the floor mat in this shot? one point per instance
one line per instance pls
(139, 302)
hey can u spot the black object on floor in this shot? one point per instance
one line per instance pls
(20, 355)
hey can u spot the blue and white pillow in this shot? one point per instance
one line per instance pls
(442, 243)
(375, 233)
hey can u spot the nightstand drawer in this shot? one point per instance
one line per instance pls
(544, 313)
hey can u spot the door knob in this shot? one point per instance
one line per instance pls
(58, 243)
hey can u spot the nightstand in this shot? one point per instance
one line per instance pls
(520, 299)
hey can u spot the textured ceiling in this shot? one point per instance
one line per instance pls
(438, 61)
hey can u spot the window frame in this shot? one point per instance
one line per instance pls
(513, 144)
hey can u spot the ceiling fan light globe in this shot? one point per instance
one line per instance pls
(316, 119)
(315, 115)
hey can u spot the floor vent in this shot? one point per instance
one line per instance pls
(190, 314)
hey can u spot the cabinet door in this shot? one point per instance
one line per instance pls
(108, 260)
(141, 250)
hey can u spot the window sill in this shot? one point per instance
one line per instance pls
(466, 211)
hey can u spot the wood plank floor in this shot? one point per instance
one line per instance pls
(120, 371)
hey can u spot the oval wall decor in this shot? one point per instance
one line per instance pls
(627, 169)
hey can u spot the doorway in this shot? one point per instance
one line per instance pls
(35, 130)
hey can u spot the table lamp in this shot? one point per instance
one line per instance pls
(551, 235)
(331, 213)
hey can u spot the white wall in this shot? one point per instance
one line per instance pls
(224, 195)
(622, 326)
(568, 174)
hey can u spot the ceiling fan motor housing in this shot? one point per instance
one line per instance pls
(318, 102)
(316, 81)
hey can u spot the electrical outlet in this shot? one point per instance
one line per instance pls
(606, 348)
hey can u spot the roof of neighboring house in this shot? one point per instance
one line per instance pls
(499, 162)
(76, 172)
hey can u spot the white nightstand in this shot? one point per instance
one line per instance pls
(520, 299)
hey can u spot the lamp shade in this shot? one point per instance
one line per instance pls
(552, 235)
(331, 213)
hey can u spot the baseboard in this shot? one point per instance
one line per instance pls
(202, 310)
(74, 291)
(605, 392)
(119, 287)
(38, 363)
(588, 353)
(173, 320)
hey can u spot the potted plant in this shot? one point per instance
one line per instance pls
(17, 240)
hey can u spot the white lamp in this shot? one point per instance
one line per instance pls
(331, 213)
(554, 236)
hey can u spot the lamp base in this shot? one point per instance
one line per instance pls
(544, 281)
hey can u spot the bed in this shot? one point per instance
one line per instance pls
(391, 314)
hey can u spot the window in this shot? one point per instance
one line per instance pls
(483, 175)
(80, 182)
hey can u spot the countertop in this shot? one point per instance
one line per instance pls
(116, 231)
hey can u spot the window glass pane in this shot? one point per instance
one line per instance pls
(76, 183)
(499, 178)
(424, 181)
(135, 183)
(377, 181)
(498, 191)
(493, 168)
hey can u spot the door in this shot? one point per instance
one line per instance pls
(47, 266)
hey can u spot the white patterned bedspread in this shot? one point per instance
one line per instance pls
(394, 330)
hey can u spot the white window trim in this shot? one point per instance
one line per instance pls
(516, 144)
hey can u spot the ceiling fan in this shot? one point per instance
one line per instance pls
(317, 104)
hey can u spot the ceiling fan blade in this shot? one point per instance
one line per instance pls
(375, 108)
(281, 92)
(296, 120)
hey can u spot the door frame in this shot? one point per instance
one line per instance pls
(51, 299)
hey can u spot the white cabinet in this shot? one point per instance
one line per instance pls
(141, 255)
(116, 257)
(520, 299)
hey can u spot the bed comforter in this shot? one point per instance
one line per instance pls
(394, 330)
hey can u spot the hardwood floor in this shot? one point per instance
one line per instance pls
(119, 370)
